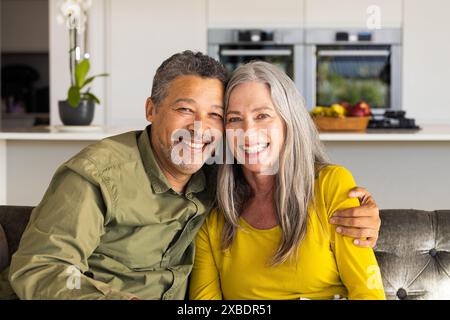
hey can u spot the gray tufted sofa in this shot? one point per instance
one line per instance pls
(413, 250)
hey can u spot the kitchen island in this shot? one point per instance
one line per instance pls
(403, 169)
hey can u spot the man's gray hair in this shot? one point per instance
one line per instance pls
(186, 63)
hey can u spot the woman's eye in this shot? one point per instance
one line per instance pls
(262, 116)
(234, 119)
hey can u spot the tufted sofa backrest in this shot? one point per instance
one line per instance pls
(413, 252)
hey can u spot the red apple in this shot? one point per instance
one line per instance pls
(356, 112)
(361, 109)
(346, 105)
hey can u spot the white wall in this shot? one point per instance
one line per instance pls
(426, 64)
(59, 59)
(255, 13)
(24, 25)
(31, 165)
(351, 13)
(141, 35)
(400, 175)
(299, 13)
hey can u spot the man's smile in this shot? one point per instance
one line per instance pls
(194, 145)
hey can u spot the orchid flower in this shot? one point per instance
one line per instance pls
(74, 13)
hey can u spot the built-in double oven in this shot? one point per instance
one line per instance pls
(353, 65)
(327, 65)
(282, 47)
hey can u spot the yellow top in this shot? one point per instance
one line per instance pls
(329, 265)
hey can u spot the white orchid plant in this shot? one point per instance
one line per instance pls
(74, 14)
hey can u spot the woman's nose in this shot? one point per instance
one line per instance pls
(248, 124)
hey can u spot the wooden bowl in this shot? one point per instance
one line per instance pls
(346, 124)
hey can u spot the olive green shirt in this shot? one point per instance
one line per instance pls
(110, 212)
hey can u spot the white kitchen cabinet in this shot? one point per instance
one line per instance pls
(255, 13)
(426, 63)
(352, 13)
(142, 34)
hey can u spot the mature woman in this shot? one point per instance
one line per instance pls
(270, 237)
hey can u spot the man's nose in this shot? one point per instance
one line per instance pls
(199, 126)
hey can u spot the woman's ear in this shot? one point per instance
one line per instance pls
(150, 109)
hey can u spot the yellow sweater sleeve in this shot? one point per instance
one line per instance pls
(358, 267)
(205, 280)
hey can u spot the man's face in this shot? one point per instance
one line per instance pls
(187, 124)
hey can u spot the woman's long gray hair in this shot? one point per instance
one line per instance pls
(301, 157)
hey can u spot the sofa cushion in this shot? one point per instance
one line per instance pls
(4, 252)
(413, 252)
(14, 220)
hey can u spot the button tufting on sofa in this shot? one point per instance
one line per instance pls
(402, 294)
(413, 252)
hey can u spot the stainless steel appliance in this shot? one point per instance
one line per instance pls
(393, 120)
(282, 47)
(353, 65)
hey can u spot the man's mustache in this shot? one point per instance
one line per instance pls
(206, 137)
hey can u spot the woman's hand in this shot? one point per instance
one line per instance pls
(359, 222)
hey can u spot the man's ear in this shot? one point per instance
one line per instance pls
(150, 109)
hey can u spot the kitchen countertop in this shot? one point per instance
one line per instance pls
(427, 133)
(56, 134)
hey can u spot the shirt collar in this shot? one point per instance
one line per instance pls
(157, 178)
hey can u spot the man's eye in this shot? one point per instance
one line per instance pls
(262, 116)
(216, 115)
(185, 110)
(234, 119)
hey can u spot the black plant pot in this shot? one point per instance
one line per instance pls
(82, 115)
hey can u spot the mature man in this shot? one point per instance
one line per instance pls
(119, 219)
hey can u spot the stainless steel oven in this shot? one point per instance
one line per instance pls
(282, 47)
(353, 65)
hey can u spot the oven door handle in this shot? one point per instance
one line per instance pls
(354, 53)
(237, 52)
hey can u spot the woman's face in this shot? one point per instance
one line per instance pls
(254, 129)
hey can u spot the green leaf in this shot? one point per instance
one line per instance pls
(91, 96)
(81, 71)
(74, 96)
(89, 80)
